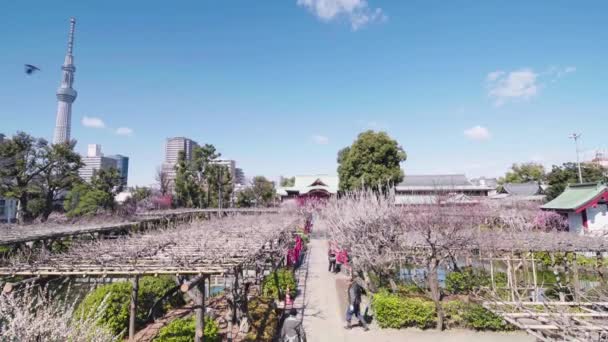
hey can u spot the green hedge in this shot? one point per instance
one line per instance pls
(183, 330)
(286, 279)
(116, 298)
(393, 311)
(264, 320)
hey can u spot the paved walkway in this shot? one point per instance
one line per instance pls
(325, 304)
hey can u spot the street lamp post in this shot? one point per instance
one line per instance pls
(576, 136)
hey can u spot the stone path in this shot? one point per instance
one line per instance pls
(325, 304)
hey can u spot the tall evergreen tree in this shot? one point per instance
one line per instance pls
(373, 160)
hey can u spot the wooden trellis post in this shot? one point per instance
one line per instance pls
(534, 279)
(577, 285)
(492, 272)
(199, 310)
(133, 307)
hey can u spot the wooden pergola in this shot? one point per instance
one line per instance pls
(13, 234)
(194, 250)
(521, 301)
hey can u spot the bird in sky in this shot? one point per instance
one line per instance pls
(30, 69)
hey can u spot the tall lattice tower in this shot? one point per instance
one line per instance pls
(66, 94)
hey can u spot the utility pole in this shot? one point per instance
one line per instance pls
(577, 136)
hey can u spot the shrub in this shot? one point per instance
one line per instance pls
(85, 200)
(478, 318)
(117, 297)
(409, 289)
(472, 315)
(183, 330)
(393, 311)
(286, 279)
(305, 238)
(454, 310)
(264, 320)
(467, 280)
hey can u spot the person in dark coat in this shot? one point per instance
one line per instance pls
(354, 301)
(292, 330)
(332, 260)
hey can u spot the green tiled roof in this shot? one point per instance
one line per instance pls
(576, 196)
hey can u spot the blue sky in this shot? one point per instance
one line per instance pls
(280, 86)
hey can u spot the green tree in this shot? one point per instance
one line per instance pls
(263, 191)
(373, 160)
(140, 193)
(561, 176)
(88, 199)
(186, 191)
(245, 198)
(289, 181)
(109, 182)
(60, 176)
(200, 181)
(219, 185)
(22, 163)
(523, 173)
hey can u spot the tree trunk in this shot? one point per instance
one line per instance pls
(48, 206)
(133, 307)
(433, 280)
(199, 310)
(22, 213)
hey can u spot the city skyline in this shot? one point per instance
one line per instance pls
(459, 98)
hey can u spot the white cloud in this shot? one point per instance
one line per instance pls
(519, 84)
(320, 139)
(124, 131)
(494, 75)
(478, 133)
(357, 12)
(92, 122)
(569, 69)
(522, 84)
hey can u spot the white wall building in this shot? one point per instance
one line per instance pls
(95, 161)
(586, 207)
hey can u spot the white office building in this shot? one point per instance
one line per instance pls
(172, 149)
(95, 161)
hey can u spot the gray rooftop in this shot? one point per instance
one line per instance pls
(435, 180)
(522, 189)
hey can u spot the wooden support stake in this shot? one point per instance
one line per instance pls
(534, 279)
(133, 307)
(598, 264)
(492, 272)
(577, 285)
(199, 310)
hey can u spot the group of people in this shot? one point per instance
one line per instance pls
(293, 331)
(355, 290)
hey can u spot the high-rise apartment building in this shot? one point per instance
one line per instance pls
(172, 149)
(95, 161)
(122, 164)
(66, 95)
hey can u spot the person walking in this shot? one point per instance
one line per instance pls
(354, 301)
(292, 330)
(332, 260)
